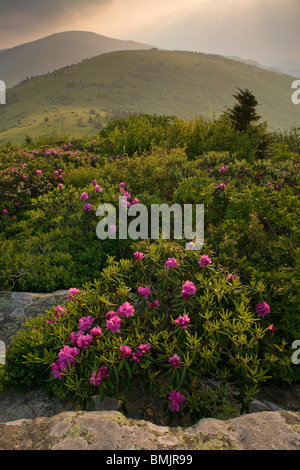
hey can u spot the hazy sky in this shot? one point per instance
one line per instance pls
(264, 30)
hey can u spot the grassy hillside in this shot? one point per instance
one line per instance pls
(56, 51)
(79, 99)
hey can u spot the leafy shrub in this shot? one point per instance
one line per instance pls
(171, 318)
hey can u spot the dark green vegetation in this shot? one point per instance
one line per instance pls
(79, 100)
(48, 241)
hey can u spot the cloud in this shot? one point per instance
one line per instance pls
(265, 30)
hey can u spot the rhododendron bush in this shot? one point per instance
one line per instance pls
(171, 318)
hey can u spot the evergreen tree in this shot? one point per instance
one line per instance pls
(243, 112)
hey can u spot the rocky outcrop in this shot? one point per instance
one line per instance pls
(110, 430)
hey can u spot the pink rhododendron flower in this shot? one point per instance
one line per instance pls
(4, 211)
(87, 206)
(138, 255)
(176, 398)
(144, 291)
(204, 261)
(125, 351)
(230, 277)
(188, 289)
(72, 292)
(96, 331)
(135, 201)
(126, 310)
(272, 328)
(66, 358)
(97, 377)
(223, 169)
(83, 341)
(175, 361)
(136, 357)
(114, 324)
(84, 196)
(222, 186)
(98, 188)
(110, 314)
(171, 263)
(39, 172)
(183, 321)
(85, 323)
(144, 348)
(262, 309)
(122, 185)
(154, 304)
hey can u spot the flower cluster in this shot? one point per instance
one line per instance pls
(262, 309)
(96, 377)
(66, 358)
(114, 319)
(188, 289)
(204, 261)
(176, 398)
(171, 263)
(144, 291)
(126, 351)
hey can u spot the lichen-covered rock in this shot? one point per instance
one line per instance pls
(110, 430)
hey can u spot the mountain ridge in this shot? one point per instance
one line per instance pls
(58, 50)
(79, 99)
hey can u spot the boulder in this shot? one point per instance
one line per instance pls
(111, 431)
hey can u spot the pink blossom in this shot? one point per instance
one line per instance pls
(83, 341)
(272, 328)
(125, 351)
(223, 169)
(98, 189)
(262, 309)
(222, 186)
(87, 207)
(144, 348)
(84, 196)
(122, 185)
(144, 291)
(183, 321)
(204, 261)
(135, 201)
(39, 172)
(72, 292)
(85, 323)
(97, 377)
(176, 398)
(171, 263)
(96, 331)
(230, 277)
(154, 304)
(188, 289)
(175, 361)
(138, 255)
(126, 310)
(114, 324)
(111, 314)
(4, 211)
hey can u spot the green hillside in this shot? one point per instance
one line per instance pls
(78, 100)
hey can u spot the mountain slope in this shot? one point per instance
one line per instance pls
(56, 51)
(78, 100)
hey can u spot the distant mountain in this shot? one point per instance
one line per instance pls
(80, 99)
(55, 52)
(291, 69)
